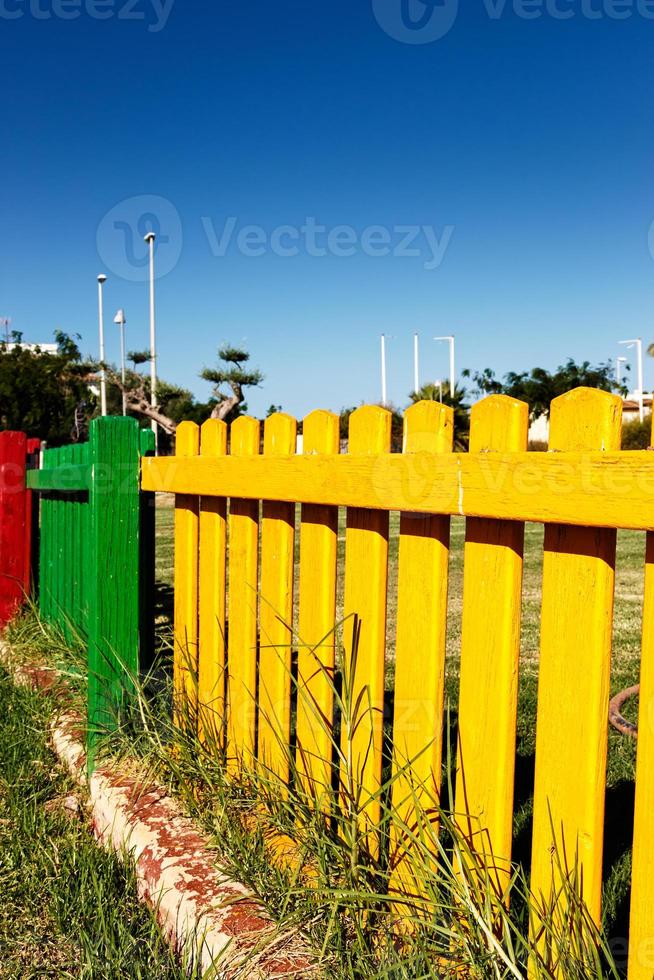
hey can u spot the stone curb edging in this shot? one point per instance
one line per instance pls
(216, 921)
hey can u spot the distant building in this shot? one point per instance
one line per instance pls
(631, 407)
(41, 348)
(539, 429)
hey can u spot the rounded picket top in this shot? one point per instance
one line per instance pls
(499, 423)
(187, 439)
(245, 436)
(585, 419)
(280, 434)
(428, 428)
(321, 432)
(213, 438)
(370, 430)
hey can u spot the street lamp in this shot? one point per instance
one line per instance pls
(450, 340)
(103, 379)
(150, 239)
(638, 344)
(416, 364)
(121, 321)
(383, 370)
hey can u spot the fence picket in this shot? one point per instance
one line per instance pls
(67, 581)
(212, 596)
(317, 621)
(490, 653)
(574, 675)
(46, 541)
(242, 609)
(115, 594)
(186, 588)
(276, 610)
(364, 634)
(641, 918)
(13, 517)
(420, 644)
(31, 568)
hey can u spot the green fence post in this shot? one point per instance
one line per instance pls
(147, 543)
(115, 589)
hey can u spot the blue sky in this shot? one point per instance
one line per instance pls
(524, 145)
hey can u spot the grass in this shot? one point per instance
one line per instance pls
(69, 909)
(335, 891)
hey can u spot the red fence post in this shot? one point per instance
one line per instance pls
(13, 519)
(30, 570)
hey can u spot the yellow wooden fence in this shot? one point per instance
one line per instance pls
(582, 490)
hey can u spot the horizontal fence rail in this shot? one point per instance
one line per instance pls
(596, 489)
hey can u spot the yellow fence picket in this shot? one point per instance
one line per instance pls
(213, 539)
(242, 606)
(490, 653)
(316, 621)
(276, 610)
(420, 648)
(186, 588)
(641, 920)
(364, 634)
(573, 690)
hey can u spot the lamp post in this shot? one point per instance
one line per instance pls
(121, 321)
(416, 364)
(450, 340)
(103, 378)
(150, 239)
(383, 370)
(638, 344)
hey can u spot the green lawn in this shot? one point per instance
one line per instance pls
(68, 908)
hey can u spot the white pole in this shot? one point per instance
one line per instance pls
(641, 394)
(416, 364)
(383, 369)
(638, 344)
(103, 379)
(121, 321)
(122, 362)
(450, 340)
(150, 239)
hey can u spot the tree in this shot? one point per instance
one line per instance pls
(637, 434)
(461, 411)
(540, 387)
(175, 404)
(233, 374)
(41, 393)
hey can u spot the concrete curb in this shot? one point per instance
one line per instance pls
(207, 916)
